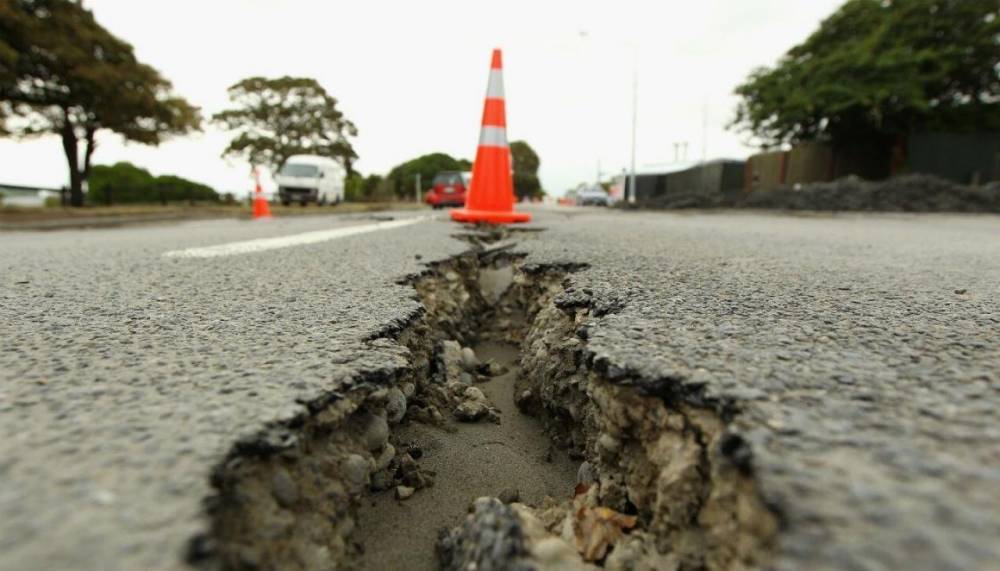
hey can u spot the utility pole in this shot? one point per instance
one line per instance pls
(416, 189)
(704, 131)
(635, 100)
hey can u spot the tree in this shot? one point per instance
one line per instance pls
(277, 118)
(402, 177)
(359, 188)
(121, 182)
(61, 72)
(126, 183)
(879, 69)
(525, 164)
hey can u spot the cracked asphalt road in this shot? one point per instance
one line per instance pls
(859, 355)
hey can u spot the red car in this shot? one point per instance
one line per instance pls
(448, 189)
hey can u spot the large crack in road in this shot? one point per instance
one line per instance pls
(842, 368)
(599, 474)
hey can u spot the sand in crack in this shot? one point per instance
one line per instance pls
(480, 459)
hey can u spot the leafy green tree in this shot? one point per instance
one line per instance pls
(172, 188)
(126, 183)
(879, 69)
(358, 188)
(371, 186)
(525, 164)
(61, 72)
(277, 118)
(120, 182)
(402, 177)
(354, 187)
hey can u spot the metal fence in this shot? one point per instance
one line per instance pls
(964, 158)
(714, 180)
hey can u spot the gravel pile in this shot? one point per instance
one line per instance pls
(908, 193)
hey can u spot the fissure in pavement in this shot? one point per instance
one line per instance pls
(498, 444)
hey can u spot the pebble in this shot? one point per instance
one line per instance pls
(509, 496)
(375, 432)
(451, 360)
(395, 405)
(470, 411)
(623, 555)
(355, 468)
(285, 491)
(469, 359)
(404, 492)
(609, 444)
(473, 393)
(412, 475)
(383, 460)
(554, 553)
(381, 481)
(587, 474)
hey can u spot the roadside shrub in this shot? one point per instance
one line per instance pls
(125, 183)
(354, 188)
(371, 188)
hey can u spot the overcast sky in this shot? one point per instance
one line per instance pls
(412, 76)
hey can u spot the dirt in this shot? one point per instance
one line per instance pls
(470, 460)
(907, 193)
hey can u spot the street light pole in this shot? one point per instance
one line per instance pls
(635, 97)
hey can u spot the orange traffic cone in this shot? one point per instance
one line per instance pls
(261, 210)
(491, 193)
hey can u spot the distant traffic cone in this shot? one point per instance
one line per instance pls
(491, 193)
(260, 207)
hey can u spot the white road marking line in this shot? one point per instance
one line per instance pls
(262, 244)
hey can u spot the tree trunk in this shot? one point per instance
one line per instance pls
(69, 144)
(88, 151)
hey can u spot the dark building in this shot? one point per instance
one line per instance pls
(700, 184)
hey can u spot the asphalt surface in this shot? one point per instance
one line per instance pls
(859, 352)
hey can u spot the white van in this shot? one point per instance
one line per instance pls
(310, 178)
